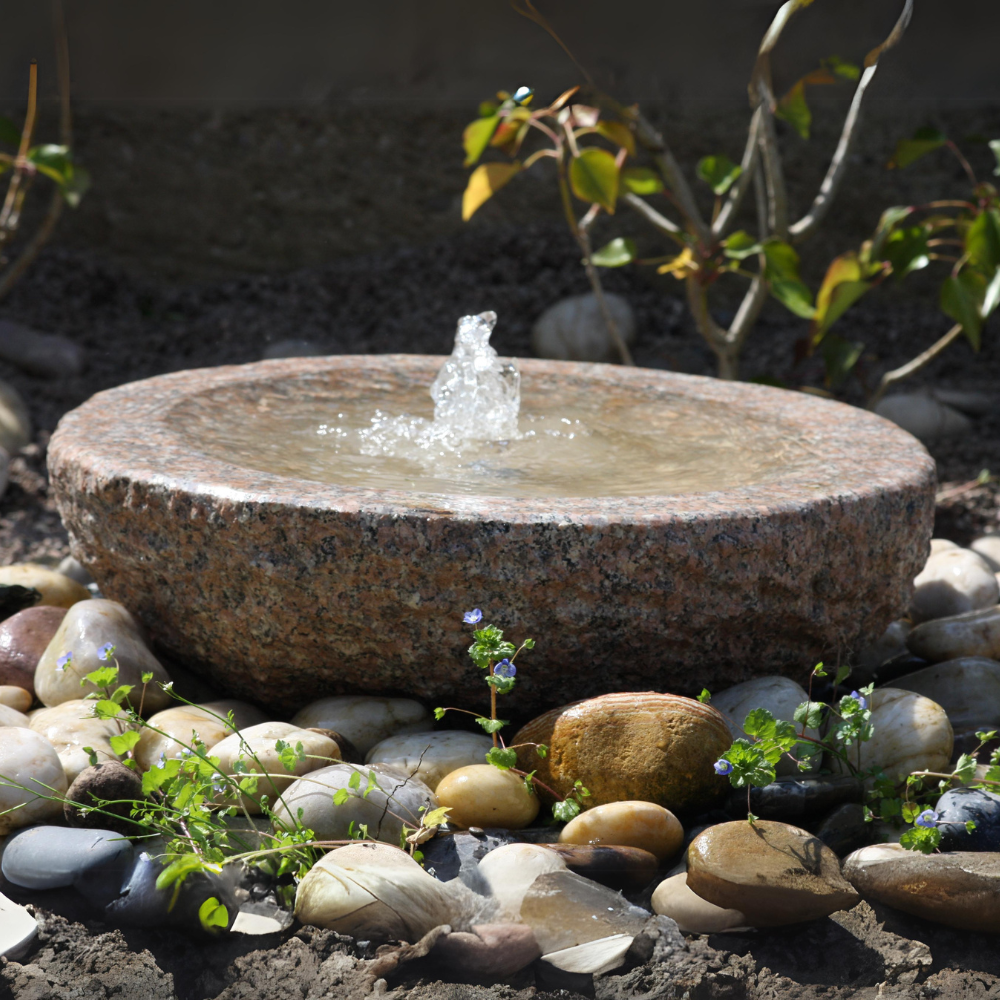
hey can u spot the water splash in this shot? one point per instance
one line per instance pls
(476, 398)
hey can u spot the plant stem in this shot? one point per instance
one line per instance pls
(911, 367)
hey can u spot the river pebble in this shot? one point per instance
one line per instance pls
(694, 915)
(431, 756)
(482, 795)
(29, 760)
(23, 638)
(57, 591)
(508, 872)
(366, 721)
(960, 805)
(987, 547)
(575, 330)
(488, 951)
(968, 689)
(794, 799)
(17, 698)
(181, 722)
(953, 581)
(845, 829)
(112, 782)
(632, 823)
(974, 633)
(627, 869)
(70, 727)
(773, 873)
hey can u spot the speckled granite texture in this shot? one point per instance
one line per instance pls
(284, 590)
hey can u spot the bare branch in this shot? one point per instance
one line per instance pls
(911, 367)
(739, 189)
(748, 312)
(583, 238)
(651, 215)
(714, 335)
(777, 197)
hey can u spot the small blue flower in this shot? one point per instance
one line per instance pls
(106, 651)
(522, 94)
(505, 668)
(64, 661)
(218, 783)
(927, 818)
(472, 617)
(860, 699)
(723, 767)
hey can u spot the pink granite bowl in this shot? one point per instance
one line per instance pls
(285, 588)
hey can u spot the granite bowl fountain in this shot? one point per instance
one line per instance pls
(303, 527)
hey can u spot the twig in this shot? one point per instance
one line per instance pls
(911, 367)
(748, 166)
(774, 177)
(651, 215)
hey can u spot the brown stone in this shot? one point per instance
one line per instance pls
(771, 872)
(640, 745)
(111, 782)
(23, 638)
(618, 867)
(644, 825)
(285, 588)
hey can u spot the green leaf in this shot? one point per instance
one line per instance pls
(566, 810)
(922, 839)
(925, 140)
(528, 643)
(484, 182)
(760, 723)
(435, 817)
(491, 726)
(53, 161)
(982, 241)
(501, 758)
(839, 357)
(103, 677)
(794, 296)
(740, 245)
(91, 755)
(541, 750)
(705, 697)
(10, 134)
(593, 176)
(718, 172)
(618, 252)
(340, 796)
(476, 137)
(907, 251)
(147, 676)
(965, 768)
(618, 133)
(504, 685)
(125, 742)
(439, 713)
(961, 298)
(843, 672)
(642, 180)
(794, 109)
(991, 297)
(782, 273)
(355, 780)
(121, 693)
(886, 224)
(810, 714)
(843, 284)
(105, 709)
(843, 69)
(212, 914)
(995, 146)
(487, 108)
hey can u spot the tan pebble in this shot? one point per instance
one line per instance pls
(483, 795)
(28, 759)
(431, 756)
(629, 824)
(70, 727)
(973, 633)
(15, 697)
(365, 720)
(57, 591)
(674, 898)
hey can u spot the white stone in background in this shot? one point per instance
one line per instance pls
(924, 417)
(28, 759)
(987, 547)
(574, 329)
(968, 689)
(509, 871)
(70, 727)
(16, 698)
(779, 695)
(88, 625)
(941, 545)
(974, 403)
(18, 928)
(431, 756)
(294, 349)
(258, 743)
(208, 720)
(892, 642)
(974, 633)
(45, 355)
(673, 898)
(15, 424)
(365, 721)
(953, 581)
(12, 717)
(72, 567)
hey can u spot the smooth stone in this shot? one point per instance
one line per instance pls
(398, 800)
(892, 642)
(960, 805)
(294, 348)
(18, 928)
(17, 698)
(349, 753)
(910, 733)
(431, 756)
(968, 689)
(574, 329)
(952, 582)
(898, 666)
(632, 824)
(622, 868)
(457, 855)
(593, 957)
(75, 570)
(631, 746)
(779, 695)
(14, 597)
(694, 915)
(30, 760)
(987, 547)
(12, 717)
(791, 799)
(508, 872)
(57, 591)
(488, 950)
(15, 423)
(366, 721)
(255, 924)
(566, 910)
(845, 829)
(960, 889)
(924, 417)
(974, 633)
(49, 857)
(971, 402)
(372, 892)
(482, 795)
(942, 545)
(178, 725)
(87, 626)
(772, 872)
(260, 742)
(70, 727)
(45, 355)
(23, 639)
(112, 782)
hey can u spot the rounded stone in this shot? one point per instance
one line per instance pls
(15, 422)
(961, 805)
(613, 865)
(817, 551)
(778, 695)
(111, 782)
(349, 753)
(773, 873)
(923, 416)
(365, 721)
(431, 756)
(28, 760)
(636, 746)
(70, 727)
(12, 717)
(694, 915)
(630, 824)
(973, 633)
(482, 795)
(50, 857)
(493, 951)
(17, 698)
(952, 582)
(968, 689)
(987, 547)
(574, 329)
(890, 644)
(508, 872)
(23, 638)
(57, 591)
